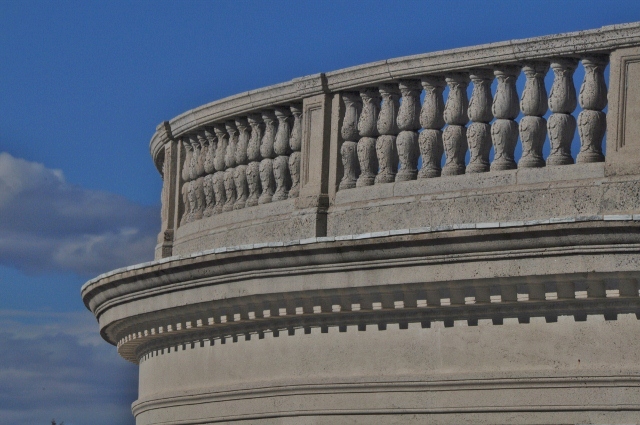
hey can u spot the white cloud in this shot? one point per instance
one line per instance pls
(58, 367)
(47, 224)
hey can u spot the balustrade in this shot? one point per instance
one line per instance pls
(386, 130)
(367, 122)
(240, 163)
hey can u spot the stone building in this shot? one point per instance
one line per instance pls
(368, 245)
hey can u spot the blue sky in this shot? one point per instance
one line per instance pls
(83, 86)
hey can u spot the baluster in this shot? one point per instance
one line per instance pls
(282, 149)
(592, 122)
(386, 152)
(230, 164)
(218, 162)
(267, 181)
(432, 121)
(209, 199)
(253, 154)
(562, 102)
(210, 169)
(349, 132)
(200, 174)
(454, 137)
(479, 132)
(368, 130)
(295, 143)
(409, 124)
(186, 178)
(193, 202)
(504, 130)
(198, 209)
(240, 173)
(533, 104)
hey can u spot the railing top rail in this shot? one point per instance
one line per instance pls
(602, 40)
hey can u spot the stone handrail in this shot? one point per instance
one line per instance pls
(309, 138)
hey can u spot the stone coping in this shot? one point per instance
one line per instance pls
(370, 235)
(602, 40)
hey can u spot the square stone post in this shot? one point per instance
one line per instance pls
(623, 118)
(314, 167)
(169, 184)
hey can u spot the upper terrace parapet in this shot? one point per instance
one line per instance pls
(356, 149)
(603, 40)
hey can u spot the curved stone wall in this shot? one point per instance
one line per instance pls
(336, 250)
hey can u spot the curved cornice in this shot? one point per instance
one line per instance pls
(133, 304)
(602, 40)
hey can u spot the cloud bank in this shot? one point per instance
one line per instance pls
(47, 224)
(58, 367)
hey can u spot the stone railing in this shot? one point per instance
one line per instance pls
(306, 140)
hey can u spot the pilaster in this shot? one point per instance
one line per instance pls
(623, 134)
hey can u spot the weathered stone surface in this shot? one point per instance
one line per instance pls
(303, 274)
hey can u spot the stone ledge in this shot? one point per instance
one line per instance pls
(395, 232)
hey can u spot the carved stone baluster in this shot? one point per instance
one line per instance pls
(432, 121)
(387, 126)
(200, 174)
(218, 161)
(230, 164)
(267, 180)
(368, 130)
(350, 134)
(479, 132)
(240, 173)
(186, 178)
(295, 143)
(533, 104)
(209, 199)
(192, 181)
(592, 122)
(409, 124)
(562, 102)
(454, 137)
(504, 130)
(210, 169)
(282, 149)
(198, 155)
(253, 154)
